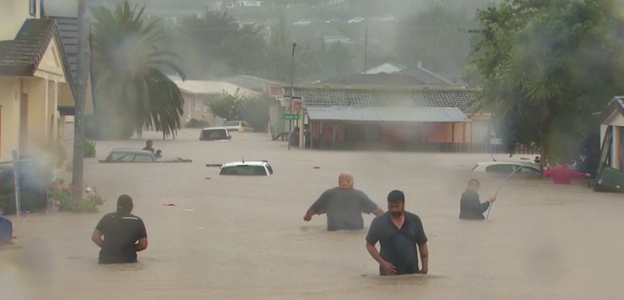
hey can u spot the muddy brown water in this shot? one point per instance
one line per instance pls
(244, 238)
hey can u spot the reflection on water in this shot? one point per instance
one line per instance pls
(244, 238)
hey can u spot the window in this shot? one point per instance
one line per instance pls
(121, 157)
(529, 171)
(143, 158)
(32, 8)
(506, 169)
(194, 104)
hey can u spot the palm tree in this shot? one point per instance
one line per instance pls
(128, 66)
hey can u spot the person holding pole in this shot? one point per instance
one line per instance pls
(471, 208)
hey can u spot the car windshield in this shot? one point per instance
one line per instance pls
(243, 170)
(122, 157)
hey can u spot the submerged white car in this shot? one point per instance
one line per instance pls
(247, 168)
(507, 167)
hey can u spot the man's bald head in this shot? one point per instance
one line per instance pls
(345, 180)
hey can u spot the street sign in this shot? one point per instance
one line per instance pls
(291, 117)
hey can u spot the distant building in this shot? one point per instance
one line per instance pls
(423, 117)
(197, 93)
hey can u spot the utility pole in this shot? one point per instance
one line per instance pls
(81, 76)
(365, 48)
(292, 89)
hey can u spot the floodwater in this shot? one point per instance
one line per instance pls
(244, 238)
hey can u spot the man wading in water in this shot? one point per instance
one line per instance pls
(124, 234)
(398, 233)
(562, 174)
(471, 207)
(343, 205)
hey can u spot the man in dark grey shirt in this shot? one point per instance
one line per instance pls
(398, 233)
(343, 205)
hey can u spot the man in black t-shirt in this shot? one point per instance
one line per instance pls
(124, 234)
(398, 233)
(343, 205)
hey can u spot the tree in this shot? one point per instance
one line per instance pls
(436, 36)
(227, 106)
(127, 63)
(254, 110)
(335, 60)
(220, 47)
(546, 67)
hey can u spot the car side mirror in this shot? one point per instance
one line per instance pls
(229, 137)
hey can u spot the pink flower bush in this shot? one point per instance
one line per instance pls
(62, 199)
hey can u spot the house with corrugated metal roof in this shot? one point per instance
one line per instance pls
(343, 117)
(36, 84)
(196, 94)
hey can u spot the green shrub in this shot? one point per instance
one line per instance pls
(89, 148)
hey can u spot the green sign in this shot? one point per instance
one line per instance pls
(291, 117)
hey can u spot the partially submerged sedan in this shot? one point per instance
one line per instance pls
(130, 155)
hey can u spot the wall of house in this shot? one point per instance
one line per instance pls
(37, 116)
(9, 116)
(198, 111)
(50, 66)
(13, 13)
(448, 133)
(327, 130)
(401, 132)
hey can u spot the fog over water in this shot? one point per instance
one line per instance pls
(244, 238)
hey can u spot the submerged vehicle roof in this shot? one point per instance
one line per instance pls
(247, 162)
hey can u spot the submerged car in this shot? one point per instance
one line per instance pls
(215, 134)
(240, 126)
(507, 167)
(247, 168)
(129, 155)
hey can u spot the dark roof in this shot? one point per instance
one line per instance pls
(463, 99)
(68, 31)
(21, 56)
(454, 77)
(426, 76)
(374, 79)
